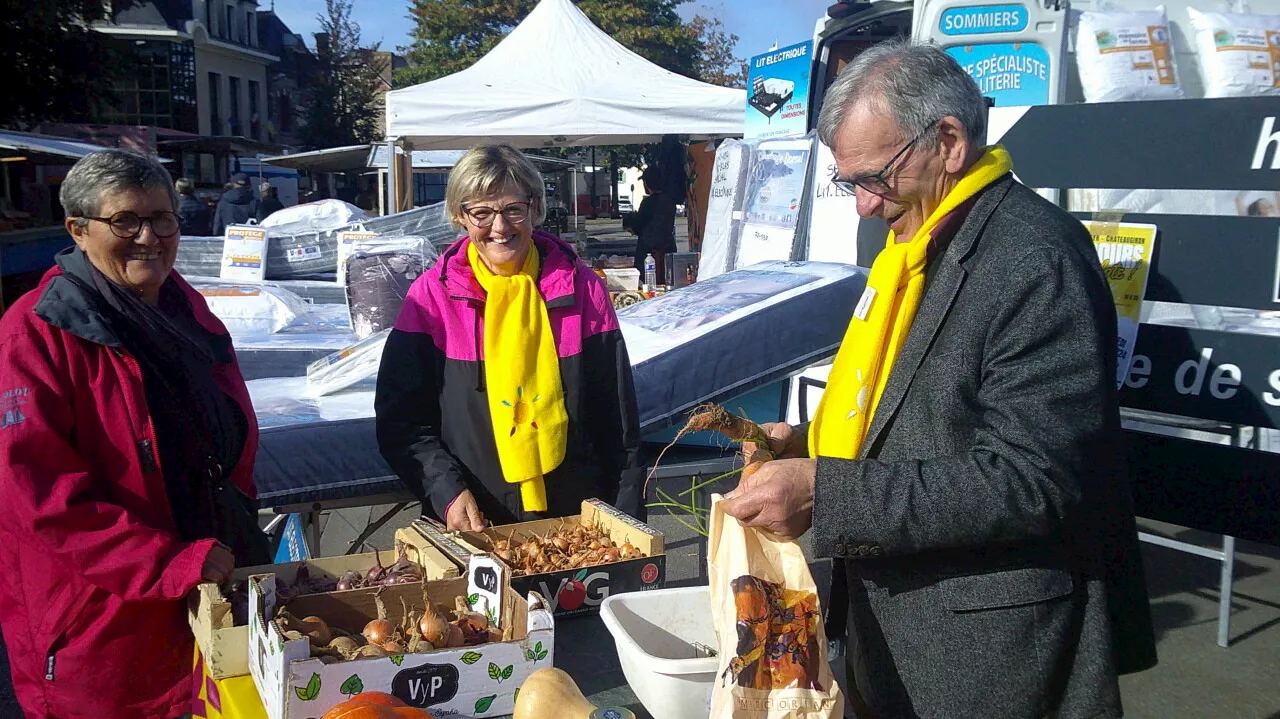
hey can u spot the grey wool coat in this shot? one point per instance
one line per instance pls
(987, 530)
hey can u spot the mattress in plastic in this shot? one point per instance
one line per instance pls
(711, 341)
(297, 255)
(317, 449)
(287, 353)
(725, 336)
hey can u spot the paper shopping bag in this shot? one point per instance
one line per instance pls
(772, 644)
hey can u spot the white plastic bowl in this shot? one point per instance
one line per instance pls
(655, 632)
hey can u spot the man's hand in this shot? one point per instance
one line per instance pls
(777, 497)
(464, 514)
(784, 441)
(218, 564)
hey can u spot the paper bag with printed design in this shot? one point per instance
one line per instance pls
(772, 644)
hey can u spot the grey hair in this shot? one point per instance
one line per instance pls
(485, 170)
(915, 84)
(102, 173)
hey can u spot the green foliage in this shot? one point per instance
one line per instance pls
(451, 35)
(346, 103)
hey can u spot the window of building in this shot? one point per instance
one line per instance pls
(428, 187)
(215, 115)
(249, 39)
(227, 32)
(233, 98)
(161, 90)
(255, 122)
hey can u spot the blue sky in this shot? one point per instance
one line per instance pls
(758, 23)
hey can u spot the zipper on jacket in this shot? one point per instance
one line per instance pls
(475, 335)
(49, 661)
(146, 448)
(146, 453)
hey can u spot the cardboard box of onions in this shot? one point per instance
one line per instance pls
(219, 619)
(456, 647)
(575, 562)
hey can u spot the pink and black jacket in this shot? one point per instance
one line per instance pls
(433, 421)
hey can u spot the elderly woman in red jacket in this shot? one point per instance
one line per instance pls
(126, 457)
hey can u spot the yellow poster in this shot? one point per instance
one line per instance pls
(1125, 250)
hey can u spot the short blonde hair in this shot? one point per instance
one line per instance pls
(486, 170)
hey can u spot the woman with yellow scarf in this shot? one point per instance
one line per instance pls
(505, 391)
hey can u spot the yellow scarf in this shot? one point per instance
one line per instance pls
(881, 322)
(526, 399)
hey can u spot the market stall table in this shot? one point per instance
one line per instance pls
(584, 647)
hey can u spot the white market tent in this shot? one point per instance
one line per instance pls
(557, 80)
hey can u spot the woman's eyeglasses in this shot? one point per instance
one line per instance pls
(878, 183)
(515, 213)
(128, 225)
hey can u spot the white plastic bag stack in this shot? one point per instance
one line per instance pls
(1126, 56)
(1239, 53)
(313, 217)
(254, 310)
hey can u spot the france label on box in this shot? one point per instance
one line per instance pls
(244, 254)
(470, 681)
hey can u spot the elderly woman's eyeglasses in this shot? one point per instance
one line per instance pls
(128, 225)
(878, 183)
(515, 213)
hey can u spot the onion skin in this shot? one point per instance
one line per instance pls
(317, 629)
(378, 631)
(346, 646)
(456, 638)
(433, 626)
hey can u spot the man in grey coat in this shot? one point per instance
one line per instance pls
(974, 490)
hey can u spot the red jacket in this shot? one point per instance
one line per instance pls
(93, 603)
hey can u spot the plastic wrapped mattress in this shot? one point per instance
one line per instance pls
(287, 353)
(288, 256)
(293, 256)
(317, 449)
(700, 343)
(725, 336)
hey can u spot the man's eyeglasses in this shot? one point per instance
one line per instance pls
(515, 213)
(878, 183)
(128, 225)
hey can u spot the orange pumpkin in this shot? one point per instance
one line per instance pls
(375, 705)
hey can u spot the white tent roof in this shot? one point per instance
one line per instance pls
(558, 80)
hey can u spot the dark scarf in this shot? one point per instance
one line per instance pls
(200, 431)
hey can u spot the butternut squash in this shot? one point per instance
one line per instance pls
(552, 694)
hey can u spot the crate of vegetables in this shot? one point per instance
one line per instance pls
(426, 644)
(219, 616)
(575, 562)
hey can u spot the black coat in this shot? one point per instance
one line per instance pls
(236, 207)
(194, 216)
(268, 205)
(655, 225)
(987, 529)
